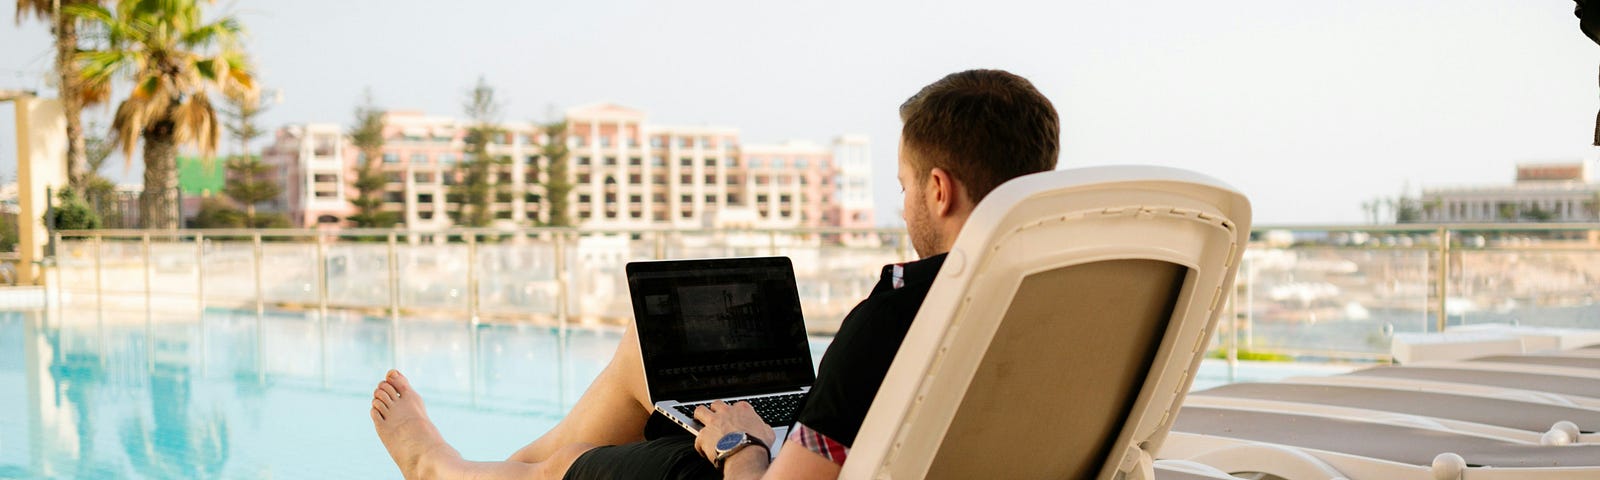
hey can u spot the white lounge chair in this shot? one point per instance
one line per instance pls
(1062, 331)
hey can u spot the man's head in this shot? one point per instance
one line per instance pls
(962, 136)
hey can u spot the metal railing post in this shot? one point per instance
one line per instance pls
(473, 363)
(561, 319)
(149, 320)
(1444, 276)
(200, 296)
(394, 301)
(55, 253)
(99, 301)
(261, 311)
(322, 305)
(661, 245)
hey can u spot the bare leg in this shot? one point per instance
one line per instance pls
(613, 411)
(402, 423)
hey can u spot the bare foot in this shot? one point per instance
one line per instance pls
(403, 425)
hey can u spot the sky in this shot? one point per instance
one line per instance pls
(1309, 108)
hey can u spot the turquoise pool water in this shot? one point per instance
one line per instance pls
(286, 396)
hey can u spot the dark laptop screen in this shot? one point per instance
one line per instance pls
(719, 328)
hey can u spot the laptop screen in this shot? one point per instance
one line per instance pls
(719, 327)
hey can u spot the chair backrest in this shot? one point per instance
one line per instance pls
(1063, 330)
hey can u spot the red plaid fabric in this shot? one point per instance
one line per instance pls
(817, 442)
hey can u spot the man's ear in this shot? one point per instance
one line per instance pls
(944, 191)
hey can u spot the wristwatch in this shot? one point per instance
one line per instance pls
(732, 443)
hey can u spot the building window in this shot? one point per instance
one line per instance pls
(733, 199)
(730, 162)
(423, 177)
(325, 178)
(327, 194)
(393, 177)
(710, 179)
(584, 215)
(583, 198)
(633, 178)
(658, 198)
(634, 161)
(636, 214)
(605, 140)
(761, 179)
(391, 158)
(611, 161)
(801, 163)
(658, 161)
(803, 180)
(583, 161)
(658, 216)
(418, 158)
(686, 179)
(503, 215)
(761, 199)
(711, 199)
(783, 199)
(426, 198)
(579, 141)
(683, 142)
(583, 178)
(755, 162)
(635, 198)
(711, 162)
(531, 198)
(611, 214)
(686, 162)
(394, 197)
(777, 163)
(658, 179)
(684, 199)
(657, 142)
(447, 158)
(425, 215)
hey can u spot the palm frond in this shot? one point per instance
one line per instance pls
(126, 125)
(40, 9)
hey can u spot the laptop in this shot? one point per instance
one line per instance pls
(725, 329)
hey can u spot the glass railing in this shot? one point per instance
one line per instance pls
(1309, 292)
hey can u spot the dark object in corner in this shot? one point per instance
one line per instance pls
(1591, 27)
(1591, 23)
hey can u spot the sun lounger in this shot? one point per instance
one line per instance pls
(1518, 420)
(1558, 384)
(1062, 331)
(1301, 446)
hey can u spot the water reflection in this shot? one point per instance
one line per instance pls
(280, 395)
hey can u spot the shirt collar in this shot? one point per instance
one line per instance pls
(918, 272)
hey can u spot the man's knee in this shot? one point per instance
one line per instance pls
(559, 462)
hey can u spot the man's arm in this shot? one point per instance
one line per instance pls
(794, 462)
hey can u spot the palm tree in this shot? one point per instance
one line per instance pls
(68, 82)
(174, 61)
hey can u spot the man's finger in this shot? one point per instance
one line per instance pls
(718, 405)
(702, 414)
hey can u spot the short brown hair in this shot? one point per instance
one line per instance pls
(983, 126)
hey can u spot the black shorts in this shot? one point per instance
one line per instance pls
(671, 457)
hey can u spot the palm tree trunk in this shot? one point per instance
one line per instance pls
(71, 99)
(158, 202)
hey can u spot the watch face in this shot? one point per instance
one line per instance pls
(730, 440)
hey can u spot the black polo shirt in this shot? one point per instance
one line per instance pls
(854, 365)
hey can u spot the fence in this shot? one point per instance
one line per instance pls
(1335, 292)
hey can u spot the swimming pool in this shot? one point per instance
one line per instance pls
(99, 396)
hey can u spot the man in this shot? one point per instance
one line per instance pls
(962, 136)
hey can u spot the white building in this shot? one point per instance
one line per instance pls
(1543, 192)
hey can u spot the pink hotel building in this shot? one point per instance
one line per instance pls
(625, 173)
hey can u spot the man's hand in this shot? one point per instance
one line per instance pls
(721, 419)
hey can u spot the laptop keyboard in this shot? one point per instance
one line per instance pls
(779, 410)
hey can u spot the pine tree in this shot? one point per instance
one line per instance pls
(558, 188)
(367, 135)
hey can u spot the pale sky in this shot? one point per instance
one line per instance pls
(1309, 108)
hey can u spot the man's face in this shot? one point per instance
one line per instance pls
(915, 211)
